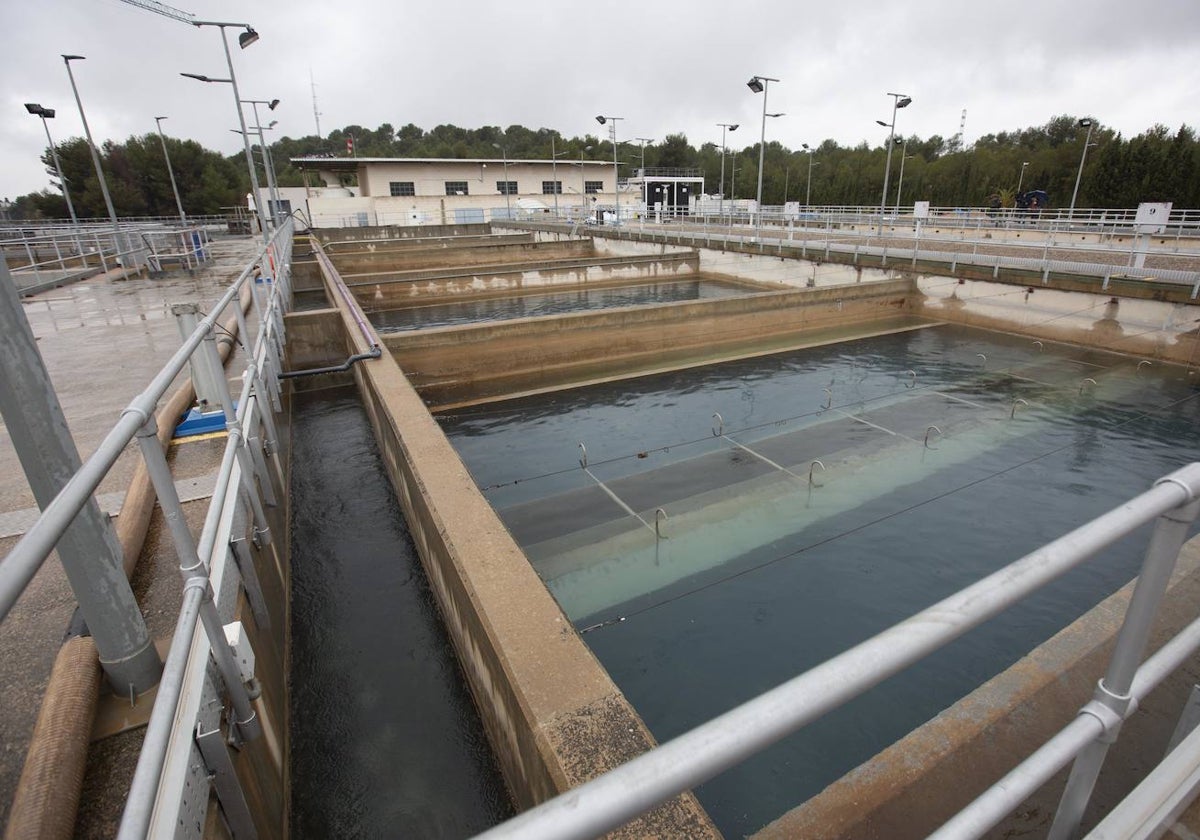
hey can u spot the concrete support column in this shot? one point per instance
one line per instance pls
(89, 551)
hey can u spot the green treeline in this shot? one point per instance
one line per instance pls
(1157, 165)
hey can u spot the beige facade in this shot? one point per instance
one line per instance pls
(415, 191)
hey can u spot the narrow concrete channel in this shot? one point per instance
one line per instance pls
(385, 739)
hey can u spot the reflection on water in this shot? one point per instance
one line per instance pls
(385, 741)
(764, 575)
(550, 303)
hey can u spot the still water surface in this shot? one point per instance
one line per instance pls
(385, 739)
(763, 575)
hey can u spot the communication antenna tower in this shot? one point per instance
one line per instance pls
(316, 113)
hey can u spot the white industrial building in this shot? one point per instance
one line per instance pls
(348, 191)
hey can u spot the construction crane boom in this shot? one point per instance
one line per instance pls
(163, 9)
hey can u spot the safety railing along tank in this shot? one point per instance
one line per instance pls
(241, 480)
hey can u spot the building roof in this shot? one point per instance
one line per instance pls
(335, 163)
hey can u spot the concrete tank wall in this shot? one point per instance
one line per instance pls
(406, 287)
(341, 234)
(1149, 328)
(455, 364)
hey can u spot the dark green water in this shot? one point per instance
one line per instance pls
(738, 600)
(550, 303)
(385, 741)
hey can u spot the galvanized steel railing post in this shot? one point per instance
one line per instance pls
(192, 565)
(1112, 697)
(87, 545)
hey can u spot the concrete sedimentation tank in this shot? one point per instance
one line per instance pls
(601, 488)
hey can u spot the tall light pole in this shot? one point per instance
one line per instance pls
(582, 182)
(808, 190)
(48, 114)
(616, 170)
(507, 185)
(1089, 125)
(899, 100)
(112, 213)
(900, 183)
(272, 189)
(554, 175)
(731, 127)
(170, 172)
(645, 195)
(245, 39)
(1021, 180)
(761, 84)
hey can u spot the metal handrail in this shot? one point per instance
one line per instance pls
(235, 475)
(138, 420)
(619, 795)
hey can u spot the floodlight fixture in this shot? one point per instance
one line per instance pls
(273, 104)
(755, 84)
(601, 119)
(247, 38)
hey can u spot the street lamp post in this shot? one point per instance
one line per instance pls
(554, 174)
(645, 195)
(112, 213)
(1089, 125)
(761, 84)
(582, 183)
(48, 114)
(245, 39)
(272, 188)
(900, 183)
(616, 170)
(170, 172)
(731, 127)
(1021, 180)
(808, 190)
(899, 100)
(507, 199)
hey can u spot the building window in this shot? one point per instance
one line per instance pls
(551, 187)
(593, 186)
(402, 188)
(506, 187)
(457, 188)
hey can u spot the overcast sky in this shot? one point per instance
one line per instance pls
(664, 65)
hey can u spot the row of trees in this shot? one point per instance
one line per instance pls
(1156, 165)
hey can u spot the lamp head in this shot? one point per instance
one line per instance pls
(69, 58)
(601, 120)
(273, 123)
(157, 119)
(755, 84)
(780, 114)
(247, 38)
(1085, 123)
(272, 104)
(804, 146)
(196, 76)
(33, 108)
(734, 127)
(882, 123)
(903, 101)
